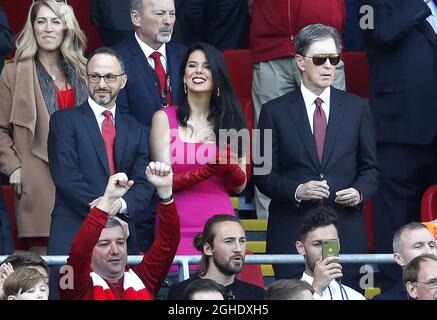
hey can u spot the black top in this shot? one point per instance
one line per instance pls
(396, 293)
(238, 290)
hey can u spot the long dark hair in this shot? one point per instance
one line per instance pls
(225, 110)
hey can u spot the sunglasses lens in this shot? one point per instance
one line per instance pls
(318, 61)
(334, 60)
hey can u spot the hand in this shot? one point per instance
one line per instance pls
(225, 161)
(124, 225)
(161, 176)
(94, 203)
(118, 185)
(348, 197)
(6, 269)
(324, 272)
(313, 190)
(116, 207)
(15, 181)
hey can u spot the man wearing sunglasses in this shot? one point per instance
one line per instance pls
(323, 152)
(402, 55)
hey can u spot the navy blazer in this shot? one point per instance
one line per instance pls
(80, 171)
(349, 160)
(6, 37)
(402, 55)
(141, 93)
(79, 165)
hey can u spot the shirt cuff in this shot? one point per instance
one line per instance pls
(123, 209)
(295, 194)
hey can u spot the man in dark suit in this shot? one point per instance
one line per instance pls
(112, 20)
(152, 83)
(403, 99)
(6, 37)
(334, 167)
(410, 241)
(87, 145)
(145, 91)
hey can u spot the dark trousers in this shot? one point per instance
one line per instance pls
(6, 241)
(221, 23)
(406, 172)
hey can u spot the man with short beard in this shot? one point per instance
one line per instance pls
(323, 274)
(223, 247)
(152, 64)
(87, 145)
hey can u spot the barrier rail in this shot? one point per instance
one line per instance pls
(185, 260)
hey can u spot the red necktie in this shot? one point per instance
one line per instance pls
(159, 69)
(108, 133)
(319, 128)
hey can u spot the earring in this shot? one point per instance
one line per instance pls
(185, 88)
(218, 91)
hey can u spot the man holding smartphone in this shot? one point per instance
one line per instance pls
(319, 229)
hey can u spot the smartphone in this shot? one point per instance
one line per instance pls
(330, 248)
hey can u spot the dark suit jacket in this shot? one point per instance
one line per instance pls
(111, 14)
(6, 37)
(79, 167)
(403, 71)
(349, 160)
(396, 293)
(141, 94)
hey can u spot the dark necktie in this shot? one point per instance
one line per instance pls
(319, 128)
(108, 133)
(159, 69)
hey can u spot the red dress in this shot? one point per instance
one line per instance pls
(66, 98)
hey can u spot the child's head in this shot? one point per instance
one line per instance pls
(26, 284)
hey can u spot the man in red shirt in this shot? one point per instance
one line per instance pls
(98, 255)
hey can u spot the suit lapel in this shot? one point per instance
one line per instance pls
(336, 114)
(426, 28)
(92, 126)
(299, 115)
(121, 128)
(144, 69)
(173, 57)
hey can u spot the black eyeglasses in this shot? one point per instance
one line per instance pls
(109, 78)
(319, 59)
(432, 284)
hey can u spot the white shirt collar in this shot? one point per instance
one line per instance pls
(147, 50)
(98, 109)
(309, 97)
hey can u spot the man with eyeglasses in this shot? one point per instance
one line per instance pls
(420, 277)
(323, 152)
(90, 143)
(409, 241)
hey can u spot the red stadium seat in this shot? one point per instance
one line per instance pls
(368, 220)
(252, 273)
(356, 70)
(239, 64)
(428, 209)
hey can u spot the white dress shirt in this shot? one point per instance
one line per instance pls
(334, 291)
(432, 19)
(98, 113)
(147, 50)
(310, 105)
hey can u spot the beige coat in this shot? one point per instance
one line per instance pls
(24, 127)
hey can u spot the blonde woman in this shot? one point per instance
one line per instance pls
(47, 75)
